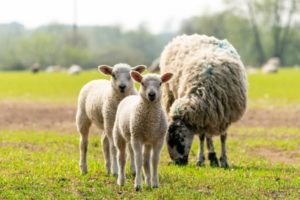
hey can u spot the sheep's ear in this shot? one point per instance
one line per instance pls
(166, 77)
(105, 69)
(136, 76)
(139, 68)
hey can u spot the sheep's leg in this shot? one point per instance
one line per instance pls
(106, 153)
(83, 125)
(146, 163)
(138, 158)
(155, 161)
(121, 151)
(132, 163)
(201, 151)
(113, 156)
(223, 158)
(212, 154)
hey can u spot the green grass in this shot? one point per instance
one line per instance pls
(281, 89)
(44, 165)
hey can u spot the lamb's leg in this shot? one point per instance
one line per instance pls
(121, 151)
(113, 156)
(138, 157)
(83, 125)
(106, 153)
(132, 163)
(201, 151)
(155, 161)
(146, 162)
(212, 154)
(223, 158)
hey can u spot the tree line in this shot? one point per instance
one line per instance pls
(259, 29)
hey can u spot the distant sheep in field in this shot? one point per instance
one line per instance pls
(272, 66)
(74, 69)
(97, 103)
(207, 93)
(142, 124)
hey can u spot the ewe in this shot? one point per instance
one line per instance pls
(207, 93)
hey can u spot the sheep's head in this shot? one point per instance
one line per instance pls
(150, 85)
(179, 140)
(120, 75)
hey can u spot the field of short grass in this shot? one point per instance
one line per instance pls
(279, 89)
(44, 165)
(39, 163)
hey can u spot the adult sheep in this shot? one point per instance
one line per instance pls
(208, 92)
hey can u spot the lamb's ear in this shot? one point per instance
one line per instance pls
(136, 76)
(166, 77)
(105, 69)
(139, 68)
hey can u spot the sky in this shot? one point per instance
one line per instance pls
(158, 15)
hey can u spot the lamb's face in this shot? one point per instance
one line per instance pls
(120, 76)
(179, 140)
(150, 89)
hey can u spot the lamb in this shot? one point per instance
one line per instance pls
(97, 104)
(207, 94)
(142, 124)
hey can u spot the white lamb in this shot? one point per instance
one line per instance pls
(97, 103)
(141, 122)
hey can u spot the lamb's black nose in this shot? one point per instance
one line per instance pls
(151, 96)
(122, 87)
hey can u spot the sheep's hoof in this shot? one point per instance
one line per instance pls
(213, 159)
(138, 188)
(133, 174)
(201, 162)
(83, 170)
(155, 186)
(224, 163)
(121, 182)
(114, 174)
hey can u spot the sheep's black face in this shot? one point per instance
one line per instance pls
(179, 140)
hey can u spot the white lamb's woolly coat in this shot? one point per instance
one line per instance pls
(143, 125)
(98, 103)
(209, 87)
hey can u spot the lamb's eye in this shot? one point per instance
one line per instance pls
(114, 76)
(143, 84)
(160, 84)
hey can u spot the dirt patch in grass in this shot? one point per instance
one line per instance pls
(41, 116)
(271, 117)
(278, 156)
(32, 116)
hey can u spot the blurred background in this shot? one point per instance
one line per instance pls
(57, 34)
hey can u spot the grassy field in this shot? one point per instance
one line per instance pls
(41, 164)
(264, 90)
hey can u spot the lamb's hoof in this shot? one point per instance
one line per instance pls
(213, 159)
(83, 170)
(224, 163)
(138, 188)
(120, 182)
(155, 186)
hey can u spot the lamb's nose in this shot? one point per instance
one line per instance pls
(122, 87)
(151, 96)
